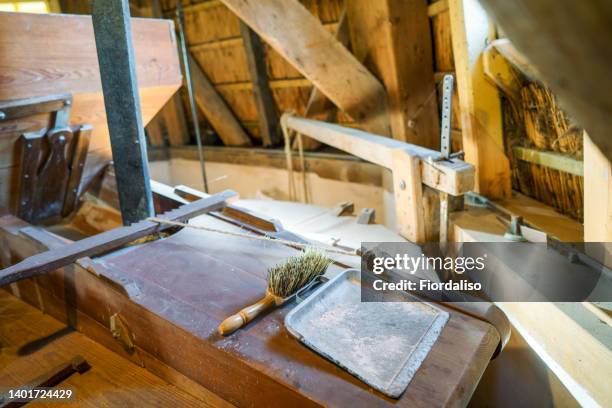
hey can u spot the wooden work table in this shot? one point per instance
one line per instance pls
(172, 293)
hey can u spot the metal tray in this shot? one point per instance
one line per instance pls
(381, 343)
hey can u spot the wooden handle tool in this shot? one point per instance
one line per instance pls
(240, 319)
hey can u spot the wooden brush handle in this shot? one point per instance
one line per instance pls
(240, 319)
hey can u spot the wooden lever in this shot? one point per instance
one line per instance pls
(240, 319)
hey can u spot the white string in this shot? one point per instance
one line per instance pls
(255, 237)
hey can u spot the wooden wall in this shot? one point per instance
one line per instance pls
(213, 36)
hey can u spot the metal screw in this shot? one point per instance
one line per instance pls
(62, 138)
(26, 176)
(2, 115)
(29, 145)
(402, 184)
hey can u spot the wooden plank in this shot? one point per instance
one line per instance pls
(300, 38)
(97, 244)
(437, 7)
(218, 114)
(256, 62)
(574, 61)
(481, 121)
(551, 160)
(45, 54)
(393, 37)
(454, 177)
(326, 165)
(509, 51)
(112, 379)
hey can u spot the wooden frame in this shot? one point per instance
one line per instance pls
(412, 167)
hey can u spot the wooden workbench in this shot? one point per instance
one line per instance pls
(172, 294)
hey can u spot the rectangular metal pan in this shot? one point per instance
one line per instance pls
(381, 343)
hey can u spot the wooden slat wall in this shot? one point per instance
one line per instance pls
(213, 36)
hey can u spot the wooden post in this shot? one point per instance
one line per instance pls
(597, 202)
(300, 38)
(113, 34)
(412, 166)
(266, 107)
(479, 101)
(393, 37)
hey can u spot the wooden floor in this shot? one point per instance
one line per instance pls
(112, 380)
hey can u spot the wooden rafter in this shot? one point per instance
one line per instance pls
(300, 38)
(266, 107)
(217, 112)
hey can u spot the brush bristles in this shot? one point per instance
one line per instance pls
(290, 276)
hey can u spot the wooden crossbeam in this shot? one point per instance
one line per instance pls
(300, 38)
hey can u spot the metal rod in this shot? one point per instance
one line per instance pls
(192, 105)
(113, 34)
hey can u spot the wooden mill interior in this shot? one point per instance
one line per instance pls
(163, 163)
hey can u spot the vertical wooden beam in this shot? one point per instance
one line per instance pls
(597, 202)
(301, 39)
(408, 192)
(393, 38)
(113, 34)
(268, 115)
(479, 101)
(217, 112)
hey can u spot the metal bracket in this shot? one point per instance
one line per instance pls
(445, 143)
(445, 123)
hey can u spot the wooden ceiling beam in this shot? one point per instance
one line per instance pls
(301, 39)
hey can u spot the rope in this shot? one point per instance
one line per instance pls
(255, 237)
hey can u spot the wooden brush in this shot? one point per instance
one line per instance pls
(284, 280)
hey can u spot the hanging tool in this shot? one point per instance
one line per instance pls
(180, 20)
(108, 240)
(284, 281)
